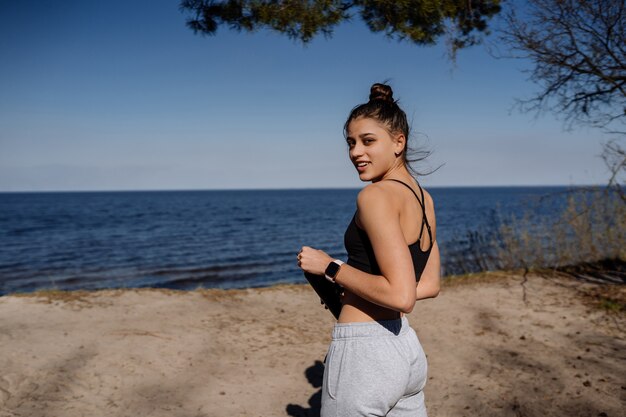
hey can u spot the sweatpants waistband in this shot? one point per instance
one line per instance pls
(378, 328)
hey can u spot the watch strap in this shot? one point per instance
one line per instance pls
(331, 278)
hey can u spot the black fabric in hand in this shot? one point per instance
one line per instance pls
(329, 292)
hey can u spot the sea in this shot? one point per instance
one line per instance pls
(218, 238)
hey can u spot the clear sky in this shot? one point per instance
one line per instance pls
(121, 95)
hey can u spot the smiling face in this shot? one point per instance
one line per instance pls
(373, 149)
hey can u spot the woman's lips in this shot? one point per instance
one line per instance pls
(361, 166)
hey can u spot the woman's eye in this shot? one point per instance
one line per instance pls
(366, 141)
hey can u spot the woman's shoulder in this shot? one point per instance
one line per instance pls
(387, 191)
(375, 198)
(376, 192)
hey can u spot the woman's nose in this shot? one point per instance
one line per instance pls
(356, 151)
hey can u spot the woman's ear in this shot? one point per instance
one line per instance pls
(400, 144)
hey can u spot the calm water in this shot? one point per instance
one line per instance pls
(226, 239)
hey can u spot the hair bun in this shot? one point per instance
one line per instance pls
(381, 92)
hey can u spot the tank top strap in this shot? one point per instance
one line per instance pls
(430, 235)
(422, 204)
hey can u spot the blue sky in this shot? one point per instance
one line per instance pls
(123, 96)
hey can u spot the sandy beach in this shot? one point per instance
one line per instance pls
(497, 344)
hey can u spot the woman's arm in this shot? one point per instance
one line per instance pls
(395, 288)
(430, 281)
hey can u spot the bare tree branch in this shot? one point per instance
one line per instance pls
(577, 48)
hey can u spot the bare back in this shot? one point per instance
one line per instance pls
(409, 202)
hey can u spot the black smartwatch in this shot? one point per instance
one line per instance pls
(332, 270)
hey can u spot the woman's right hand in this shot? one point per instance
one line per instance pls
(312, 260)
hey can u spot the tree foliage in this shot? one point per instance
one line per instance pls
(419, 21)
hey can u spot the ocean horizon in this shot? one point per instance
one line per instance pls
(235, 238)
(139, 190)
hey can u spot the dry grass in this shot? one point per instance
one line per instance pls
(591, 228)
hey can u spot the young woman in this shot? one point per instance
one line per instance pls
(375, 364)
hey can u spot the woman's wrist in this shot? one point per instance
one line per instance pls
(332, 270)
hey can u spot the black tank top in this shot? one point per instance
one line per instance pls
(360, 251)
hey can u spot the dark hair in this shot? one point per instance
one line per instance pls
(382, 107)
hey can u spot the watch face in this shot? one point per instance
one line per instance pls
(332, 269)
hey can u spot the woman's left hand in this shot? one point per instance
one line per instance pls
(314, 261)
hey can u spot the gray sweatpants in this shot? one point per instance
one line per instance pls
(374, 368)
